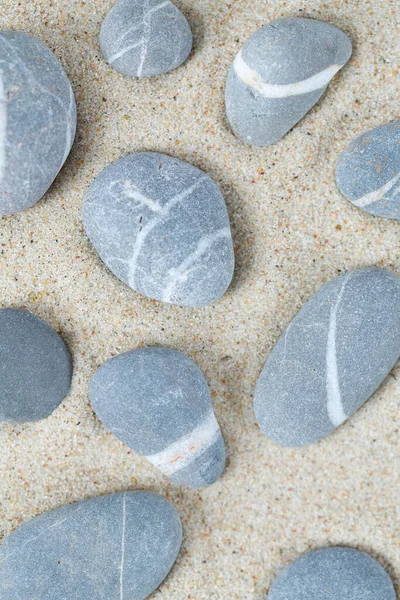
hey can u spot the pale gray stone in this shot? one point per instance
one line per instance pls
(161, 226)
(116, 547)
(37, 120)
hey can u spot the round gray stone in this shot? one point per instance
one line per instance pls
(368, 171)
(279, 74)
(35, 366)
(336, 573)
(144, 38)
(333, 356)
(161, 226)
(157, 402)
(114, 547)
(37, 120)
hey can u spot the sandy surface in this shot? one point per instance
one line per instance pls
(293, 232)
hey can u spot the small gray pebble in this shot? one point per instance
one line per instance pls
(336, 573)
(368, 171)
(35, 366)
(161, 226)
(333, 356)
(37, 120)
(114, 547)
(279, 74)
(144, 38)
(157, 402)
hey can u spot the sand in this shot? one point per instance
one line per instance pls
(293, 232)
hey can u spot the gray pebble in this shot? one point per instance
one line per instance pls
(280, 73)
(117, 547)
(368, 171)
(37, 120)
(144, 38)
(157, 402)
(336, 573)
(161, 226)
(35, 366)
(333, 356)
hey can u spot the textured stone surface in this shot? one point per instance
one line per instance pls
(331, 359)
(157, 402)
(161, 226)
(37, 120)
(35, 367)
(336, 573)
(368, 171)
(143, 38)
(279, 74)
(117, 547)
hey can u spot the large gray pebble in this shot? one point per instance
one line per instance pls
(143, 38)
(331, 359)
(279, 74)
(157, 402)
(336, 573)
(368, 171)
(37, 120)
(161, 226)
(35, 367)
(114, 547)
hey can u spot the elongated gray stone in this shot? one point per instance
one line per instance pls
(35, 367)
(161, 226)
(157, 402)
(144, 38)
(368, 171)
(335, 573)
(280, 73)
(118, 547)
(37, 120)
(333, 356)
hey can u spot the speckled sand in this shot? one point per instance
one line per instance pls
(293, 232)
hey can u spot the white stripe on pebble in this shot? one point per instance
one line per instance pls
(377, 195)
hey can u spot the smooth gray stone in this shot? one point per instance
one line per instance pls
(35, 366)
(280, 73)
(115, 547)
(368, 171)
(335, 573)
(161, 226)
(37, 120)
(157, 402)
(333, 356)
(144, 38)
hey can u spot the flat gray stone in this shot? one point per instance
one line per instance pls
(157, 402)
(114, 547)
(333, 356)
(161, 226)
(368, 171)
(336, 573)
(144, 38)
(37, 120)
(280, 73)
(35, 366)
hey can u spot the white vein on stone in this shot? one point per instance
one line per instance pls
(131, 191)
(124, 51)
(272, 90)
(3, 127)
(378, 194)
(122, 566)
(184, 451)
(147, 30)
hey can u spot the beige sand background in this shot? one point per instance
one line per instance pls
(293, 232)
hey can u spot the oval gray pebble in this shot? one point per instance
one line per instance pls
(368, 171)
(35, 365)
(37, 120)
(279, 74)
(144, 38)
(161, 226)
(117, 546)
(333, 356)
(157, 402)
(336, 573)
